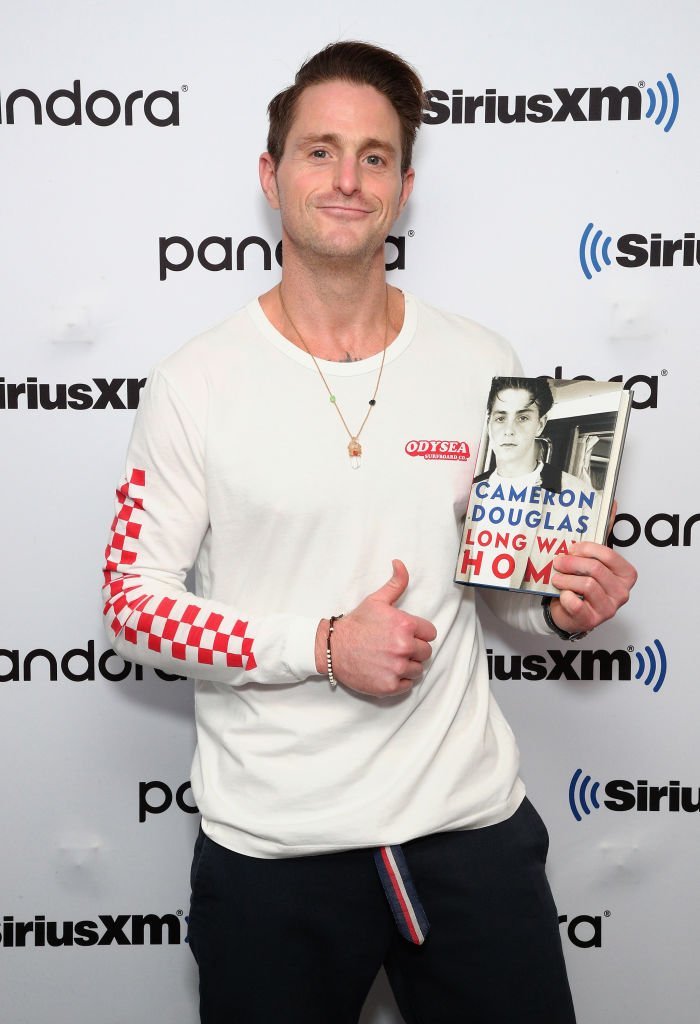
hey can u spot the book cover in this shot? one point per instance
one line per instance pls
(545, 476)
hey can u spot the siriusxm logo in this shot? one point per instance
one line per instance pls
(164, 798)
(66, 107)
(647, 666)
(636, 250)
(107, 930)
(584, 103)
(219, 252)
(624, 795)
(99, 393)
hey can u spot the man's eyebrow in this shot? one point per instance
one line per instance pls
(378, 144)
(518, 412)
(309, 140)
(332, 139)
(526, 408)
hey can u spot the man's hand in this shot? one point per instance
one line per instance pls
(378, 649)
(594, 582)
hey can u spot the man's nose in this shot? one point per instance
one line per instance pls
(347, 176)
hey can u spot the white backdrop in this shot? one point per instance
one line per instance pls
(494, 230)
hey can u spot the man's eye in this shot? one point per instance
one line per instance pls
(320, 153)
(374, 161)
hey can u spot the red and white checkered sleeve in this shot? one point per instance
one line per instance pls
(160, 520)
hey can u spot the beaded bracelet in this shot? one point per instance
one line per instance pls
(331, 678)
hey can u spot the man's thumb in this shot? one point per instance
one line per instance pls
(394, 587)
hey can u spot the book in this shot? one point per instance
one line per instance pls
(545, 476)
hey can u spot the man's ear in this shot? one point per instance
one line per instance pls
(268, 180)
(407, 180)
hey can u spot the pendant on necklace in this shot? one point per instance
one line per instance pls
(355, 453)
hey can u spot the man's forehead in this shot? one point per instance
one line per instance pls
(515, 400)
(347, 109)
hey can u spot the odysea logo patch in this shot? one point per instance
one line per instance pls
(458, 450)
(582, 103)
(634, 250)
(625, 795)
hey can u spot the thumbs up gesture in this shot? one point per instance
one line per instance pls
(378, 649)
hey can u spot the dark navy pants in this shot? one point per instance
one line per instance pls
(300, 940)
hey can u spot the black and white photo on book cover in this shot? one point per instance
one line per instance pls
(545, 478)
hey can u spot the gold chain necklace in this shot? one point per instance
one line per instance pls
(354, 446)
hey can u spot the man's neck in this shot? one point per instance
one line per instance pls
(525, 467)
(342, 313)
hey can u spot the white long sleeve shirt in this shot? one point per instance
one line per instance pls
(238, 465)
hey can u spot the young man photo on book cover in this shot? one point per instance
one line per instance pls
(517, 410)
(359, 787)
(525, 508)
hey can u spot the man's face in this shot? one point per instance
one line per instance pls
(514, 424)
(339, 186)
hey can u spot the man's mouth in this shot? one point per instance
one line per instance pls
(343, 211)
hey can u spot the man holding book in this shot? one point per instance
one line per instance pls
(359, 788)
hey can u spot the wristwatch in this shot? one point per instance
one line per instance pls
(563, 634)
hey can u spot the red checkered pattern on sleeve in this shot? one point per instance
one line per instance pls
(177, 627)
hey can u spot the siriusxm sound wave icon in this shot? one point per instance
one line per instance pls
(588, 250)
(655, 670)
(667, 105)
(579, 795)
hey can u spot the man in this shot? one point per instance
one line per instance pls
(341, 757)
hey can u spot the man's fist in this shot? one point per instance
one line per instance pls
(378, 649)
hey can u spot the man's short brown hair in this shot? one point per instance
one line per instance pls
(361, 64)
